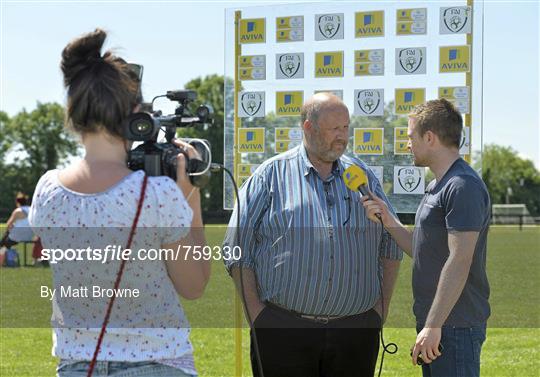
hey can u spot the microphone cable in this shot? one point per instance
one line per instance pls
(355, 179)
(215, 166)
(390, 348)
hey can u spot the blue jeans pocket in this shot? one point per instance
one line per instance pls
(478, 336)
(120, 369)
(76, 369)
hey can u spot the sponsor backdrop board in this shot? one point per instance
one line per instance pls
(381, 58)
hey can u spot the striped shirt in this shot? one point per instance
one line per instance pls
(308, 239)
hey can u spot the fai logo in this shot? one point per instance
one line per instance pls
(290, 66)
(329, 26)
(465, 143)
(409, 178)
(251, 104)
(411, 60)
(463, 138)
(369, 102)
(457, 19)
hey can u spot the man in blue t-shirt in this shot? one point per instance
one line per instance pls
(448, 246)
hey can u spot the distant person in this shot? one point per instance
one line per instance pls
(18, 228)
(448, 246)
(94, 203)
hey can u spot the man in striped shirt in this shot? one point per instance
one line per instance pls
(313, 266)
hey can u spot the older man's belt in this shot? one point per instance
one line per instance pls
(323, 319)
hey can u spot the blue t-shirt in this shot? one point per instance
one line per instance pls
(459, 202)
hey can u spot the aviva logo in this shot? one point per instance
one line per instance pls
(369, 24)
(252, 30)
(251, 140)
(329, 64)
(368, 141)
(289, 103)
(407, 99)
(454, 59)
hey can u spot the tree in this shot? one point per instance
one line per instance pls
(5, 137)
(6, 193)
(210, 91)
(502, 168)
(37, 142)
(41, 137)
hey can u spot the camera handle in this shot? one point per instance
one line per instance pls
(207, 168)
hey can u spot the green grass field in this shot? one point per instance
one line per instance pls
(512, 347)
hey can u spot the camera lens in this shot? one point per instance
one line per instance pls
(142, 127)
(203, 112)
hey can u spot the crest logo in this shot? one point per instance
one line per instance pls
(455, 19)
(330, 25)
(409, 178)
(411, 59)
(290, 66)
(251, 103)
(463, 138)
(465, 142)
(368, 101)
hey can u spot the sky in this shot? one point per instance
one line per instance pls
(178, 41)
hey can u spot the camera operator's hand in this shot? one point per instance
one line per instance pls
(182, 179)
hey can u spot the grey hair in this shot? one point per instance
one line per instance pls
(311, 111)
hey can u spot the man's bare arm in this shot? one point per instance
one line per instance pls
(401, 235)
(451, 282)
(376, 206)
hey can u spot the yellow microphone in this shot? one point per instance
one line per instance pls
(356, 179)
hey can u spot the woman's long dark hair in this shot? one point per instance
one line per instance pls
(101, 89)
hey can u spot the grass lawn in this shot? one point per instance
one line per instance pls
(512, 347)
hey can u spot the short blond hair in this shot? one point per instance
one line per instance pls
(440, 117)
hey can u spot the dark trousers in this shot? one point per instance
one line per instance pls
(290, 346)
(6, 241)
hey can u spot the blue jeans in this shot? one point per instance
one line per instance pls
(120, 369)
(461, 354)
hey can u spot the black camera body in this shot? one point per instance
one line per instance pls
(159, 158)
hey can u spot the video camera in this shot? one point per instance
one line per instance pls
(160, 158)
